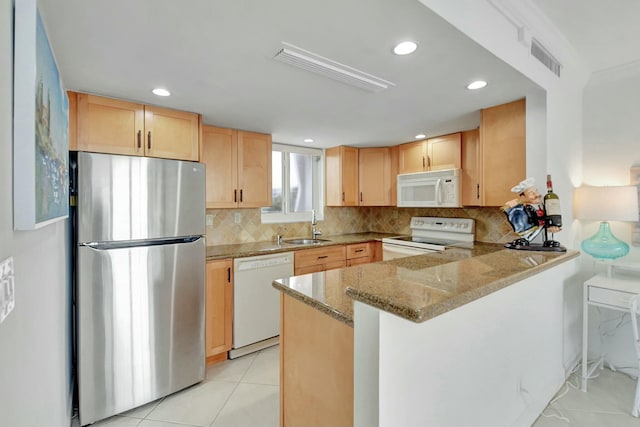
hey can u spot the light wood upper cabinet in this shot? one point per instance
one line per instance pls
(238, 168)
(341, 176)
(412, 157)
(254, 169)
(115, 126)
(218, 308)
(495, 159)
(471, 173)
(171, 134)
(374, 176)
(442, 152)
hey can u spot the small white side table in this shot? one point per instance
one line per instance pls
(606, 291)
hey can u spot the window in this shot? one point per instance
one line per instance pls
(297, 184)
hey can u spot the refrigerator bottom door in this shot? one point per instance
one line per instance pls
(140, 325)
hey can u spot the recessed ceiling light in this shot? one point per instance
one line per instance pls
(309, 140)
(405, 48)
(161, 92)
(478, 84)
(420, 136)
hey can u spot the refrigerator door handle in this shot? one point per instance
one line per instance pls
(103, 246)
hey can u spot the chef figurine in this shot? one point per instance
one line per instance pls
(526, 213)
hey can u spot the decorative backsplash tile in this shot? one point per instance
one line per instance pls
(491, 224)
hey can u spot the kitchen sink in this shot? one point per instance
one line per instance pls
(305, 241)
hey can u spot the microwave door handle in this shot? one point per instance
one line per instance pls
(439, 191)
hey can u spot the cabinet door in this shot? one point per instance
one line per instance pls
(341, 176)
(106, 125)
(412, 157)
(219, 307)
(171, 134)
(444, 152)
(219, 153)
(374, 178)
(471, 168)
(254, 169)
(503, 145)
(394, 152)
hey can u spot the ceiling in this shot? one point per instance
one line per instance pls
(605, 34)
(216, 57)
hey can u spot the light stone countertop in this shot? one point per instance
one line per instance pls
(239, 250)
(420, 287)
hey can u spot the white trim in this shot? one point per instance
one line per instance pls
(317, 184)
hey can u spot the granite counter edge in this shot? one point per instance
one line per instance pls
(423, 314)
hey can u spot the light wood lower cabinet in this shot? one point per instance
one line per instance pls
(316, 367)
(218, 309)
(319, 259)
(363, 253)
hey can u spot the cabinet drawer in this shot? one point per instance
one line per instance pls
(316, 256)
(358, 250)
(356, 261)
(308, 269)
(609, 297)
(334, 265)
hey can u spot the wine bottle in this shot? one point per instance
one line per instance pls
(552, 206)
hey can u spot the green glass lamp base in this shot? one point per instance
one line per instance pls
(604, 245)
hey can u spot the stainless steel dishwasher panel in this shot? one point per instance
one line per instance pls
(256, 303)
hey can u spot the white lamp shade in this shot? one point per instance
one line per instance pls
(607, 203)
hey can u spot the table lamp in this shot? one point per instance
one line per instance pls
(618, 203)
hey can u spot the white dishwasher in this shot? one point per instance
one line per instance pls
(256, 303)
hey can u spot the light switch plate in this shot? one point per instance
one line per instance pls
(209, 219)
(7, 293)
(237, 217)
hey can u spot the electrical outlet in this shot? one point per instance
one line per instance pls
(209, 219)
(394, 214)
(237, 217)
(7, 293)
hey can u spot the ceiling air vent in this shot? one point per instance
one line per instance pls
(543, 55)
(309, 61)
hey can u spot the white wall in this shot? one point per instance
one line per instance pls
(35, 344)
(611, 146)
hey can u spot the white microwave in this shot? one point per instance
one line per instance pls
(437, 189)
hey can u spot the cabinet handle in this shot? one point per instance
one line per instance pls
(229, 274)
(361, 197)
(359, 250)
(477, 191)
(428, 162)
(343, 196)
(235, 196)
(240, 196)
(323, 256)
(139, 139)
(149, 141)
(423, 162)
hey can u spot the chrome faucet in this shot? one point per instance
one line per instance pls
(314, 232)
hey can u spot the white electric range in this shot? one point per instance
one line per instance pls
(430, 234)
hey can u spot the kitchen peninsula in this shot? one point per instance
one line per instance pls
(460, 337)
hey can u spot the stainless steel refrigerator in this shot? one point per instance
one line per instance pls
(140, 280)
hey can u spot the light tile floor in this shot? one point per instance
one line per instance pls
(236, 393)
(245, 392)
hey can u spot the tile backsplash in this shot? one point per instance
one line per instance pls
(491, 224)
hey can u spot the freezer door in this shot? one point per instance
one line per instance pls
(140, 325)
(132, 198)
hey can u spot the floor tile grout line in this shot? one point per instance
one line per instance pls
(224, 404)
